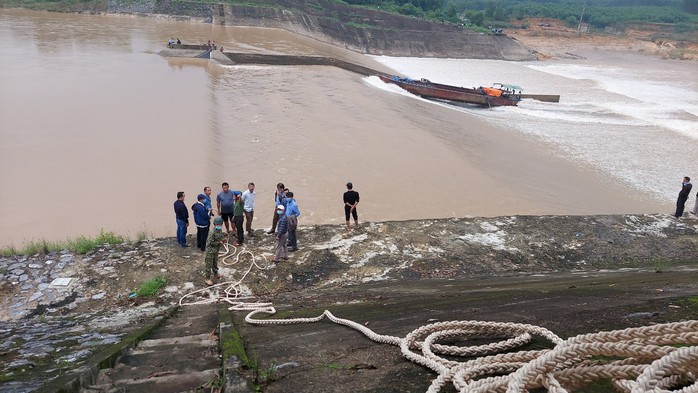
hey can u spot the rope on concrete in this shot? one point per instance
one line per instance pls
(230, 291)
(658, 359)
(655, 358)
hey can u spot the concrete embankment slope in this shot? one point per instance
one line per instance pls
(570, 274)
(360, 30)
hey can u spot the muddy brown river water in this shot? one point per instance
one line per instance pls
(99, 132)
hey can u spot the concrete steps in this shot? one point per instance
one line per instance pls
(180, 356)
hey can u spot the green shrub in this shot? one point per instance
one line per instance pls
(151, 287)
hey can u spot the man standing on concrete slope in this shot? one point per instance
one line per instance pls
(278, 200)
(351, 199)
(207, 200)
(202, 221)
(683, 196)
(182, 218)
(292, 214)
(248, 199)
(213, 245)
(238, 218)
(225, 201)
(281, 250)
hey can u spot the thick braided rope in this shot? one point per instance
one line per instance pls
(645, 343)
(229, 291)
(654, 358)
(564, 367)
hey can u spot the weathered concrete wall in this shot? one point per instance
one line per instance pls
(365, 31)
(381, 34)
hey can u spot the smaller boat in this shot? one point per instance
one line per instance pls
(499, 95)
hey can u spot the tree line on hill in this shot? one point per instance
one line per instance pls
(504, 13)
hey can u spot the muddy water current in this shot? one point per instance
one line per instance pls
(97, 131)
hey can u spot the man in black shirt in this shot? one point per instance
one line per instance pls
(351, 199)
(182, 218)
(683, 196)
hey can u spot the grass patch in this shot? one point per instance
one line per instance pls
(79, 245)
(6, 377)
(336, 366)
(142, 235)
(660, 265)
(151, 287)
(263, 377)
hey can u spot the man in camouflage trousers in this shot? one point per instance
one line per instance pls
(213, 245)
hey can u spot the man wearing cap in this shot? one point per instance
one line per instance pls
(182, 218)
(351, 199)
(202, 221)
(292, 214)
(213, 245)
(239, 217)
(281, 250)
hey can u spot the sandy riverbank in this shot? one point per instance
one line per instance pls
(553, 39)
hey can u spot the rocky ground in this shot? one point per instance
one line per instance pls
(94, 301)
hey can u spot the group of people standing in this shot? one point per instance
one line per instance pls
(235, 211)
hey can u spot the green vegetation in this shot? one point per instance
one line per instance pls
(264, 376)
(151, 287)
(7, 377)
(337, 366)
(660, 265)
(54, 5)
(79, 245)
(232, 345)
(477, 15)
(83, 245)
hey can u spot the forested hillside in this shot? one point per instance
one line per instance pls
(597, 14)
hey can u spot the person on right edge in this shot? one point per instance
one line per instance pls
(278, 200)
(695, 206)
(281, 250)
(683, 196)
(351, 199)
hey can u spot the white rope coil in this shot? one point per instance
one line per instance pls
(661, 358)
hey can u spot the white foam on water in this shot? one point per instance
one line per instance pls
(634, 120)
(648, 98)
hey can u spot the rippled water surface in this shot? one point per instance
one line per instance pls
(97, 131)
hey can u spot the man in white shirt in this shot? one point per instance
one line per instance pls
(248, 199)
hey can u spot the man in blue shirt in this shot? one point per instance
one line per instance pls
(278, 200)
(202, 221)
(207, 200)
(292, 213)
